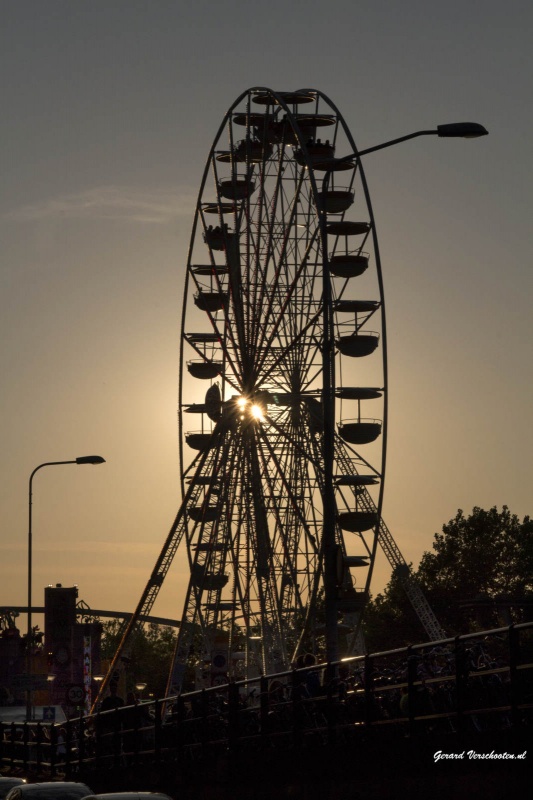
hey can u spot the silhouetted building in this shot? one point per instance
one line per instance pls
(63, 668)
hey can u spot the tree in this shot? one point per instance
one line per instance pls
(389, 620)
(149, 655)
(479, 575)
(481, 567)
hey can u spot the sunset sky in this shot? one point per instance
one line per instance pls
(108, 111)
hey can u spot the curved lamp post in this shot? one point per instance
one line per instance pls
(29, 636)
(465, 130)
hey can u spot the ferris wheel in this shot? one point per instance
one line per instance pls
(283, 211)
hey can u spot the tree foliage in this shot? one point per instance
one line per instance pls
(390, 620)
(478, 575)
(149, 655)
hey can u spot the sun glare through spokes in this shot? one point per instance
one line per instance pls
(257, 412)
(250, 409)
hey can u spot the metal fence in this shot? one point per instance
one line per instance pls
(477, 682)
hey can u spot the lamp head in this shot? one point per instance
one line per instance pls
(464, 130)
(90, 460)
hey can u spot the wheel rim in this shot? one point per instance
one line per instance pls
(251, 368)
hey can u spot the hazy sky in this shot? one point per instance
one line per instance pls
(108, 111)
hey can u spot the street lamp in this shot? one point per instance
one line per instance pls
(140, 687)
(98, 678)
(29, 635)
(453, 130)
(50, 678)
(466, 130)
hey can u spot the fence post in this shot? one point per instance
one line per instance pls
(25, 745)
(98, 733)
(461, 672)
(38, 744)
(68, 748)
(411, 691)
(158, 714)
(514, 658)
(332, 701)
(233, 716)
(137, 733)
(368, 690)
(53, 750)
(204, 710)
(117, 726)
(12, 737)
(81, 739)
(181, 728)
(296, 707)
(264, 707)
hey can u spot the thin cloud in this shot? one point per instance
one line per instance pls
(128, 204)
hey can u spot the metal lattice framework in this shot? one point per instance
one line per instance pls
(252, 330)
(282, 211)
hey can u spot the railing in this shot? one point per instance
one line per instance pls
(477, 682)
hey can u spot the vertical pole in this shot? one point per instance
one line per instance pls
(328, 406)
(29, 633)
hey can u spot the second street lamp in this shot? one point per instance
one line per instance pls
(452, 130)
(467, 130)
(29, 635)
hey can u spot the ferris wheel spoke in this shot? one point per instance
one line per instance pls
(275, 301)
(290, 294)
(266, 220)
(286, 521)
(280, 361)
(266, 583)
(283, 466)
